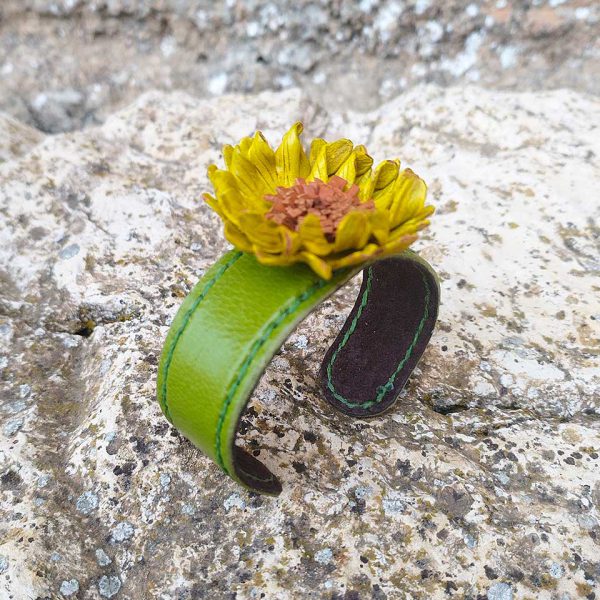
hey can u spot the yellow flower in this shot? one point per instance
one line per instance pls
(329, 209)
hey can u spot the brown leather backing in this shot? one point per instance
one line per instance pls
(384, 337)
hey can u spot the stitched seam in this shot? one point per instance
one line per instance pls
(389, 385)
(184, 324)
(349, 331)
(279, 318)
(255, 477)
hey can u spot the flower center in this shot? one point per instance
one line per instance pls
(328, 201)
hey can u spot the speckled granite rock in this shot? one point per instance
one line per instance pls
(483, 482)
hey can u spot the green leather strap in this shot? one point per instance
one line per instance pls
(240, 313)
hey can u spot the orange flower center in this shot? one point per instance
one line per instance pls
(329, 201)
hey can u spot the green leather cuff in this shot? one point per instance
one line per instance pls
(240, 313)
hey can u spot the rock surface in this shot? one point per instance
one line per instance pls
(16, 138)
(482, 482)
(65, 64)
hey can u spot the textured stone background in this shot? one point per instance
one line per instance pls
(483, 483)
(65, 64)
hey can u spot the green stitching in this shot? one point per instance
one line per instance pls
(350, 330)
(281, 316)
(186, 319)
(387, 387)
(255, 477)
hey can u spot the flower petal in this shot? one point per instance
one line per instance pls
(372, 251)
(412, 225)
(227, 153)
(373, 184)
(348, 170)
(264, 234)
(230, 196)
(315, 149)
(279, 260)
(224, 183)
(398, 246)
(382, 185)
(337, 152)
(408, 197)
(221, 180)
(261, 155)
(291, 239)
(233, 205)
(386, 173)
(213, 203)
(380, 225)
(321, 267)
(290, 158)
(312, 236)
(318, 265)
(318, 161)
(353, 232)
(355, 258)
(244, 145)
(364, 162)
(326, 159)
(249, 179)
(237, 238)
(356, 165)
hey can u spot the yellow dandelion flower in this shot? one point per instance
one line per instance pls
(329, 209)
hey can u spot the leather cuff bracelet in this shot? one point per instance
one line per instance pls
(246, 305)
(240, 313)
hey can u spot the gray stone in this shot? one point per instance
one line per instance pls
(556, 570)
(299, 57)
(57, 8)
(454, 501)
(43, 480)
(57, 110)
(393, 504)
(109, 586)
(87, 502)
(12, 427)
(187, 509)
(324, 556)
(587, 521)
(69, 587)
(102, 558)
(15, 406)
(123, 531)
(234, 501)
(69, 251)
(466, 476)
(500, 591)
